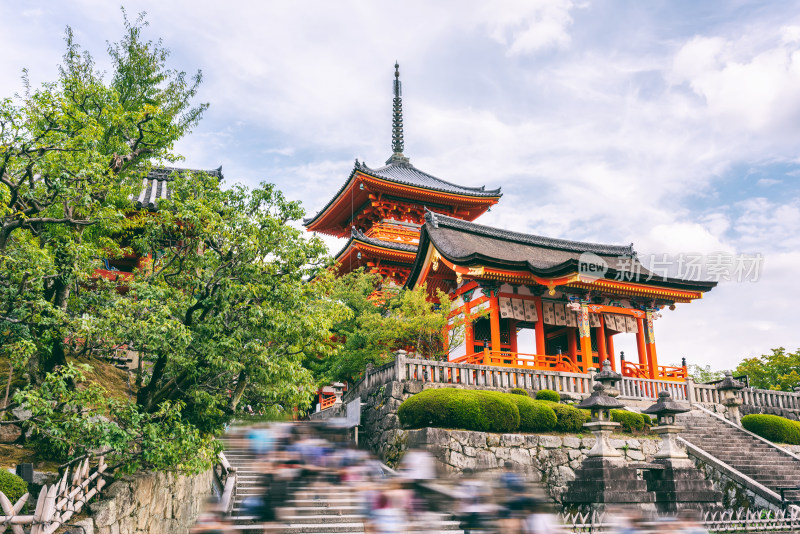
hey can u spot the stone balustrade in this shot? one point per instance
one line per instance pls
(462, 374)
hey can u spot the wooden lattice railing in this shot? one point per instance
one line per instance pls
(57, 503)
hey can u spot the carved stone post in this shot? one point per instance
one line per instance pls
(400, 365)
(729, 393)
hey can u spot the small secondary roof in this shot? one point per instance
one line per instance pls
(156, 185)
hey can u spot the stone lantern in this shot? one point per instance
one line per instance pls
(603, 477)
(601, 404)
(609, 379)
(677, 484)
(665, 410)
(728, 389)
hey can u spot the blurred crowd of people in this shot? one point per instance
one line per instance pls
(312, 461)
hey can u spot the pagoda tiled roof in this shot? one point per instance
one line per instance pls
(156, 185)
(357, 235)
(468, 244)
(404, 173)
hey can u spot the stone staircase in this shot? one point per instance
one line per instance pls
(317, 510)
(751, 456)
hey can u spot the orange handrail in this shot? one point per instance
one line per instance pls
(665, 372)
(326, 402)
(517, 360)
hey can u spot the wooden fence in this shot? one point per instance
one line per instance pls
(56, 503)
(227, 478)
(720, 521)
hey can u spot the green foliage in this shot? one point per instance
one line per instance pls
(12, 486)
(777, 371)
(519, 391)
(71, 421)
(534, 416)
(630, 421)
(486, 411)
(703, 375)
(548, 395)
(375, 328)
(569, 418)
(224, 314)
(774, 428)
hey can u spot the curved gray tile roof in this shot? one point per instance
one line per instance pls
(407, 174)
(156, 186)
(357, 235)
(437, 220)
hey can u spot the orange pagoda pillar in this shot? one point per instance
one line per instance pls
(586, 337)
(641, 345)
(650, 340)
(540, 345)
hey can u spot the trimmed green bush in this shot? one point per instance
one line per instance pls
(519, 391)
(773, 428)
(486, 411)
(569, 418)
(534, 416)
(12, 486)
(548, 395)
(630, 421)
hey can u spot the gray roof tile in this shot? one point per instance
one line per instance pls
(156, 185)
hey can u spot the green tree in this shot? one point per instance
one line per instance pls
(779, 370)
(223, 316)
(378, 327)
(703, 375)
(70, 153)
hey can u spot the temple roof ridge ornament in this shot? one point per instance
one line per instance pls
(398, 144)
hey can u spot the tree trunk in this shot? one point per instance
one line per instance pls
(238, 392)
(8, 390)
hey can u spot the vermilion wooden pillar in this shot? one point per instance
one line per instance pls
(494, 320)
(641, 346)
(540, 346)
(610, 348)
(650, 340)
(586, 337)
(572, 345)
(601, 342)
(469, 333)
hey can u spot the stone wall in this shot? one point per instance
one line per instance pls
(736, 495)
(549, 459)
(747, 409)
(149, 503)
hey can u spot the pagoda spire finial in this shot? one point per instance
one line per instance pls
(397, 120)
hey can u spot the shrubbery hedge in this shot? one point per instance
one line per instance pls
(491, 411)
(534, 416)
(569, 418)
(548, 395)
(630, 421)
(773, 428)
(12, 486)
(519, 391)
(487, 411)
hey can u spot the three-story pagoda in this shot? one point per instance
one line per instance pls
(382, 209)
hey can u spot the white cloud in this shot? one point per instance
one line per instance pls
(748, 88)
(528, 26)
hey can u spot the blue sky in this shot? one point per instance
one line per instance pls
(673, 125)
